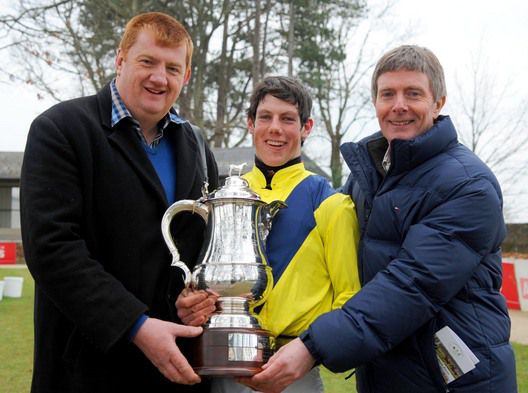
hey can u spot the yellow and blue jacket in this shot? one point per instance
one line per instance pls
(311, 248)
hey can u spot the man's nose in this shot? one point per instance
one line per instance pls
(159, 74)
(400, 103)
(275, 124)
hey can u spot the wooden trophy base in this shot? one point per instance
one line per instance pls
(230, 352)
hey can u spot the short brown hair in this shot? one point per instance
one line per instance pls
(169, 32)
(411, 58)
(284, 88)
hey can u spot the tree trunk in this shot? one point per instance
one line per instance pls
(223, 73)
(255, 70)
(335, 162)
(291, 38)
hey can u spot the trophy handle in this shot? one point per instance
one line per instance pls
(269, 211)
(173, 210)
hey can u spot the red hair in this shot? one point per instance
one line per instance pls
(168, 31)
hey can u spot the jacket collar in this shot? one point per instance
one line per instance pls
(104, 102)
(408, 154)
(365, 178)
(405, 154)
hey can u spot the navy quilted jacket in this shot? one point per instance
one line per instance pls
(429, 257)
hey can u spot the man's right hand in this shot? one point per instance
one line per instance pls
(195, 307)
(157, 340)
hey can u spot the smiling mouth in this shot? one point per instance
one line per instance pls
(275, 143)
(401, 123)
(154, 91)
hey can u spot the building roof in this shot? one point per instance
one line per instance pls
(239, 155)
(11, 163)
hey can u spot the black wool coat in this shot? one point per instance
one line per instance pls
(91, 208)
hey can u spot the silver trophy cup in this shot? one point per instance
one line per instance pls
(233, 266)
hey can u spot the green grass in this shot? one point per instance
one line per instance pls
(16, 336)
(16, 345)
(336, 383)
(521, 356)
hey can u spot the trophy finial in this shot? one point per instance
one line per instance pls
(238, 168)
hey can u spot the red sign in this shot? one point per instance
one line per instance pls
(509, 285)
(7, 253)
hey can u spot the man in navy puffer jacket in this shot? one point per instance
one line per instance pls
(432, 226)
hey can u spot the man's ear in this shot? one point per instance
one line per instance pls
(187, 76)
(119, 61)
(438, 106)
(250, 125)
(307, 128)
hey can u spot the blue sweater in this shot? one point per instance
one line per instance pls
(164, 162)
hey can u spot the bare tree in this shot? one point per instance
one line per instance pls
(236, 44)
(345, 105)
(66, 48)
(491, 126)
(340, 81)
(50, 37)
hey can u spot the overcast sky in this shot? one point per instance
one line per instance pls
(453, 29)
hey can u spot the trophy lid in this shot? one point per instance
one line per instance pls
(235, 187)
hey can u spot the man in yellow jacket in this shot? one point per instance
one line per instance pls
(311, 247)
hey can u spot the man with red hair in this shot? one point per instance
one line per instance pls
(98, 174)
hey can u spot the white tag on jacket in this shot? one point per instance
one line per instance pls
(454, 356)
